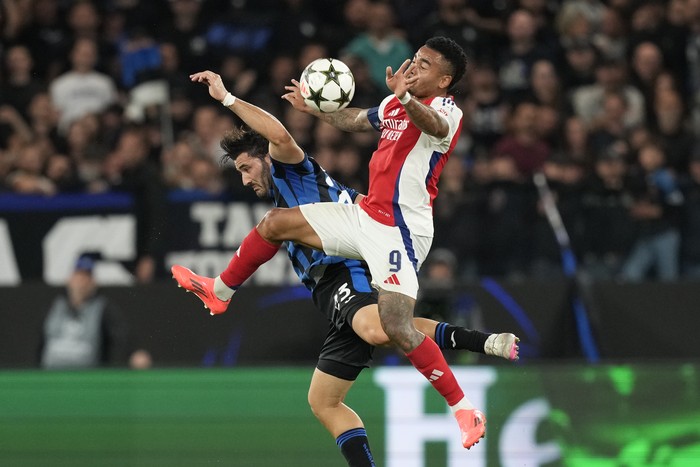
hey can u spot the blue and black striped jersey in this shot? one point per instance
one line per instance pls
(305, 183)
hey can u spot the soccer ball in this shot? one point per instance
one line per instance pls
(327, 85)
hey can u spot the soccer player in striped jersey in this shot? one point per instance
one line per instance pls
(391, 228)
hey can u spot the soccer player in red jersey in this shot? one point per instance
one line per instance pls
(391, 228)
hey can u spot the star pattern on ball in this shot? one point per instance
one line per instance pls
(331, 74)
(344, 97)
(316, 97)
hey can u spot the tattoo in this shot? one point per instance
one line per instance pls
(426, 119)
(351, 119)
(396, 315)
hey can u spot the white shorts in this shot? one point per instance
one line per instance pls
(393, 254)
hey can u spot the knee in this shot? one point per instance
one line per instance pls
(395, 332)
(271, 226)
(402, 334)
(320, 405)
(377, 337)
(372, 333)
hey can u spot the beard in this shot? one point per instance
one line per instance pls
(265, 183)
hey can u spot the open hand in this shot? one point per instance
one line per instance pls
(403, 80)
(293, 96)
(217, 90)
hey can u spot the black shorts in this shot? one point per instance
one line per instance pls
(343, 354)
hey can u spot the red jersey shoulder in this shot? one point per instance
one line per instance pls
(444, 105)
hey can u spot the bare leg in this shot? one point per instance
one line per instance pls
(396, 315)
(326, 396)
(288, 224)
(368, 326)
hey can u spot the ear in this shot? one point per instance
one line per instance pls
(445, 82)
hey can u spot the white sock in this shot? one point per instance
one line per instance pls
(222, 291)
(489, 344)
(464, 404)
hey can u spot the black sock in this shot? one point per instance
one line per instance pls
(448, 336)
(355, 447)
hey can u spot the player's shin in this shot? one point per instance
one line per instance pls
(253, 252)
(428, 359)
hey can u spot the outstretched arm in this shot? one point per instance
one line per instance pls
(349, 119)
(282, 146)
(423, 116)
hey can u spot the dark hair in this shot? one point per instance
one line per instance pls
(453, 53)
(239, 140)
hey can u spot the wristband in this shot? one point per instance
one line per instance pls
(404, 100)
(228, 100)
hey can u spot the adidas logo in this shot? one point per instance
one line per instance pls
(392, 280)
(393, 113)
(198, 287)
(435, 375)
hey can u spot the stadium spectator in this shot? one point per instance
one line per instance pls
(46, 37)
(348, 168)
(129, 168)
(206, 177)
(671, 129)
(580, 59)
(186, 27)
(28, 176)
(438, 276)
(353, 22)
(523, 146)
(611, 38)
(14, 131)
(205, 127)
(280, 71)
(546, 86)
(11, 19)
(459, 20)
(610, 76)
(381, 45)
(43, 118)
(486, 111)
(83, 328)
(20, 85)
(647, 64)
(82, 90)
(515, 60)
(607, 228)
(456, 217)
(610, 125)
(505, 212)
(657, 200)
(574, 142)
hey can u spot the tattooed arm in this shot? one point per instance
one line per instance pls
(349, 119)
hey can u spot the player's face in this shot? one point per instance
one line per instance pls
(432, 71)
(255, 173)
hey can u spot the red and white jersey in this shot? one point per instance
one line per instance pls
(405, 168)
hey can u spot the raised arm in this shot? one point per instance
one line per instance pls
(423, 116)
(282, 146)
(348, 119)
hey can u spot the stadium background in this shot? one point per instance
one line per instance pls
(231, 390)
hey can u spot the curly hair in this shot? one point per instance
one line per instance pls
(453, 53)
(239, 140)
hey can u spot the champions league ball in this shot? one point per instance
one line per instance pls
(327, 85)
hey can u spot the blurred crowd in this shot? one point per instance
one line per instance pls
(601, 96)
